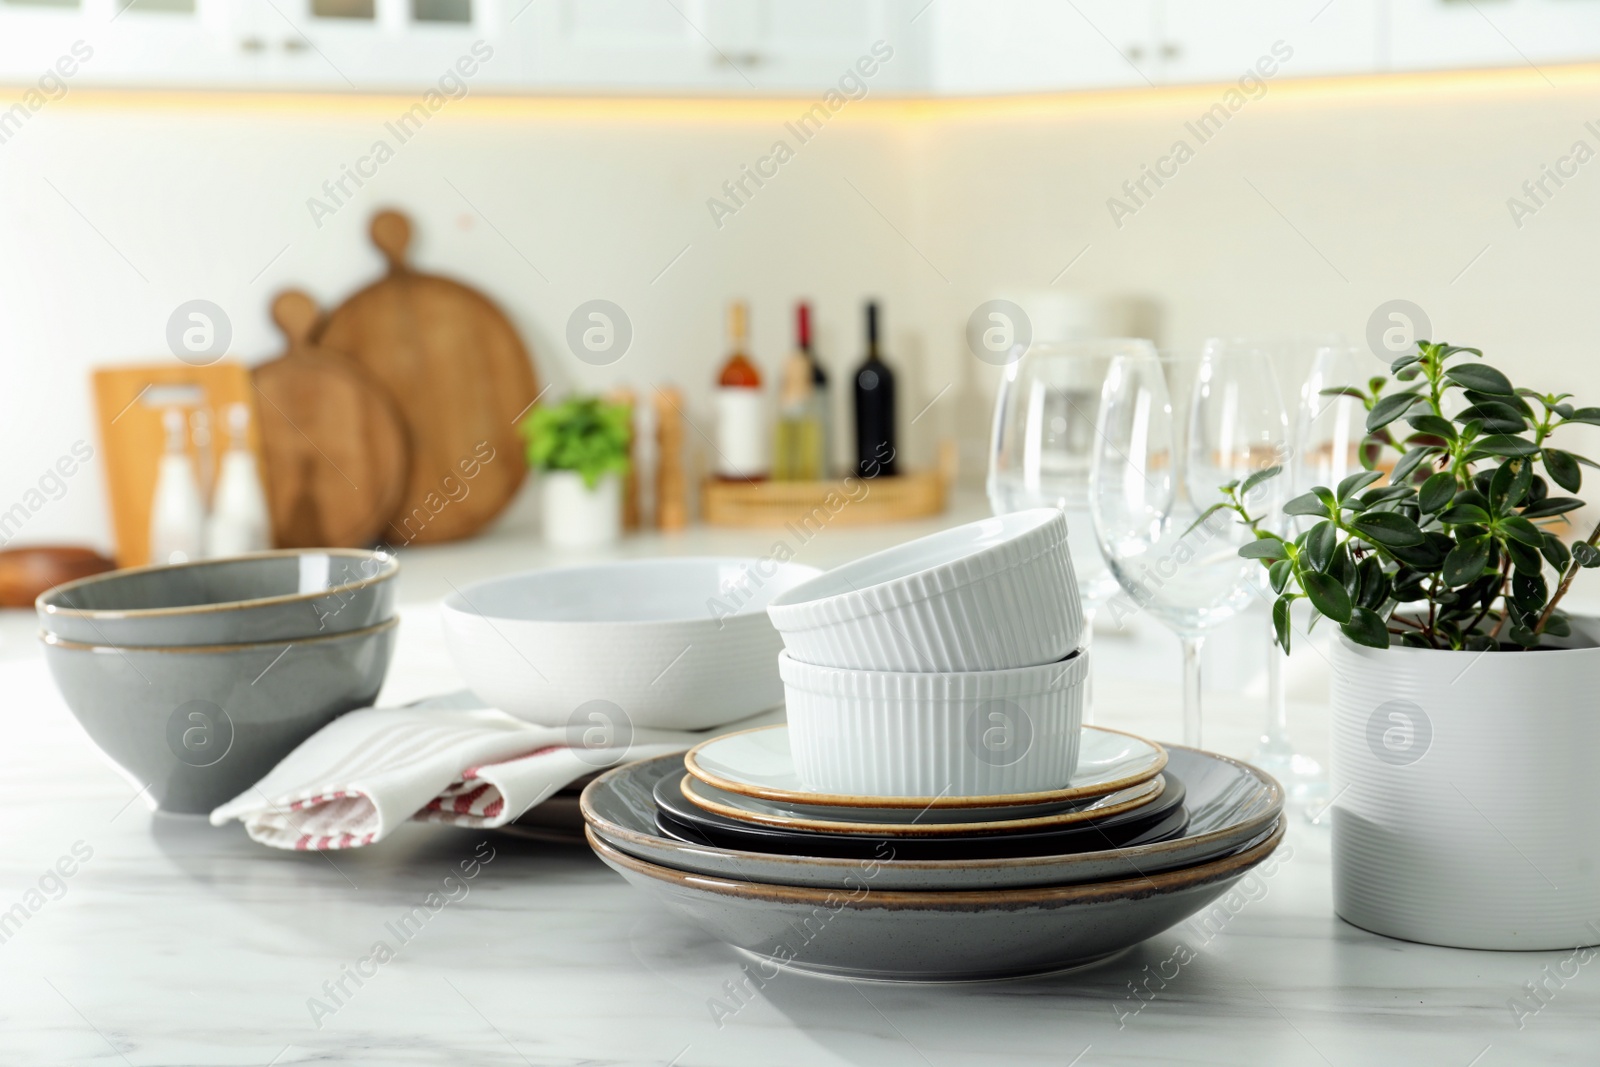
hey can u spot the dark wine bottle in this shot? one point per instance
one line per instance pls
(875, 424)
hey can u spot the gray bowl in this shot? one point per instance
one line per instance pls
(199, 725)
(269, 596)
(894, 936)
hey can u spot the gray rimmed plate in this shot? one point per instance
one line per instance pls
(758, 763)
(1230, 805)
(887, 935)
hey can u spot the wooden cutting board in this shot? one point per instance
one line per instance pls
(459, 375)
(334, 447)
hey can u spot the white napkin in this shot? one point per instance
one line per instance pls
(448, 759)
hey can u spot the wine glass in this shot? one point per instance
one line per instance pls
(1043, 445)
(1152, 480)
(1329, 428)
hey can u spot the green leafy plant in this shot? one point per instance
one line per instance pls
(1452, 552)
(582, 434)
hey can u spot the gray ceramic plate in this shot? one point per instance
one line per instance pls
(758, 763)
(1230, 804)
(269, 596)
(881, 934)
(199, 725)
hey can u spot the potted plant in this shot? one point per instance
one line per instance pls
(1466, 800)
(581, 447)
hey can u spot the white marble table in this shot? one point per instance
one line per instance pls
(176, 943)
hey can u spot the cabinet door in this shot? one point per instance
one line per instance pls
(624, 45)
(112, 42)
(810, 45)
(1444, 34)
(1017, 46)
(1219, 40)
(409, 46)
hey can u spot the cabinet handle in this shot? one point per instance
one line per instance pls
(252, 44)
(739, 59)
(1135, 53)
(1170, 50)
(295, 44)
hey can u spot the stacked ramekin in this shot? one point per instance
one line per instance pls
(946, 666)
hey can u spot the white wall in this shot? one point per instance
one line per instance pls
(1398, 185)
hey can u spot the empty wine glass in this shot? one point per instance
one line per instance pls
(1152, 480)
(1043, 445)
(1328, 431)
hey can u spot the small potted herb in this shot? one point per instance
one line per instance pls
(580, 446)
(1466, 800)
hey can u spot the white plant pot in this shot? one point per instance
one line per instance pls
(576, 516)
(1466, 795)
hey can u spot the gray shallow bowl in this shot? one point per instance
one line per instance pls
(269, 596)
(937, 937)
(1231, 804)
(199, 725)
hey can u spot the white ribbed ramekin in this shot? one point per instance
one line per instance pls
(904, 734)
(990, 595)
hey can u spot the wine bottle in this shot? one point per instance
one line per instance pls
(823, 397)
(741, 408)
(875, 423)
(800, 446)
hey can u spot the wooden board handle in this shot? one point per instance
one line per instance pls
(296, 315)
(391, 232)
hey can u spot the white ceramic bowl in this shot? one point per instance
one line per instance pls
(906, 734)
(672, 643)
(991, 595)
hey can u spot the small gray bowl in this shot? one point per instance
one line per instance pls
(198, 725)
(269, 596)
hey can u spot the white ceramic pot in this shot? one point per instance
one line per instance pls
(925, 734)
(1466, 795)
(576, 516)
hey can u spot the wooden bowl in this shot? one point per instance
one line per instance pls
(27, 572)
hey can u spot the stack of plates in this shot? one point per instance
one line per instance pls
(938, 888)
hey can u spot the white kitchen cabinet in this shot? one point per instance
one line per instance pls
(1448, 34)
(764, 47)
(1219, 40)
(397, 45)
(1020, 46)
(717, 46)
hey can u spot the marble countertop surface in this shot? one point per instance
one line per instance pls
(172, 942)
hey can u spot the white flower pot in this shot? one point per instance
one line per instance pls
(576, 516)
(1467, 796)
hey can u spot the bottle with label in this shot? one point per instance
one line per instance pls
(742, 433)
(801, 441)
(177, 512)
(876, 447)
(239, 521)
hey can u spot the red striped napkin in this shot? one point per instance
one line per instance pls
(352, 782)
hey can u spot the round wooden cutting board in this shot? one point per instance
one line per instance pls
(333, 445)
(460, 376)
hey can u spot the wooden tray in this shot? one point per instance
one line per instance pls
(840, 502)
